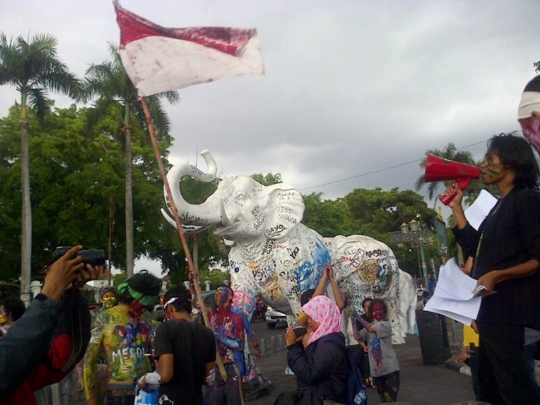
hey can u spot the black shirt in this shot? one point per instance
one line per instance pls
(192, 345)
(510, 235)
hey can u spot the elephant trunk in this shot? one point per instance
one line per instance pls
(201, 215)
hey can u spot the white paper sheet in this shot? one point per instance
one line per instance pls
(480, 208)
(453, 295)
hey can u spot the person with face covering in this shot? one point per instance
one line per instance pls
(321, 367)
(506, 256)
(124, 333)
(529, 113)
(383, 363)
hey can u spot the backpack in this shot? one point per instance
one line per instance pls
(298, 397)
(354, 381)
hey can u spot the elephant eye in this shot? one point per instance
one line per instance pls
(240, 198)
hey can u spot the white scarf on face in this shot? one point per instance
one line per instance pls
(530, 101)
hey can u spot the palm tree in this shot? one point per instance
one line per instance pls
(449, 152)
(111, 84)
(33, 68)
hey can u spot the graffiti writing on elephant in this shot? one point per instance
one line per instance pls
(274, 256)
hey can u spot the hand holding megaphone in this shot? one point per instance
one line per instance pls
(453, 195)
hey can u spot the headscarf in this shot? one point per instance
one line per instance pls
(145, 300)
(326, 313)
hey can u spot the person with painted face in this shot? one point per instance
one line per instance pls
(107, 298)
(383, 363)
(11, 309)
(186, 351)
(506, 256)
(228, 328)
(124, 332)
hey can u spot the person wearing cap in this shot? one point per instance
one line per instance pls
(185, 350)
(124, 332)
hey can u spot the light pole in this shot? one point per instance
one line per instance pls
(414, 229)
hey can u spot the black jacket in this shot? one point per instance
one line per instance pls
(322, 367)
(510, 236)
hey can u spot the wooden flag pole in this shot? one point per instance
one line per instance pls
(181, 232)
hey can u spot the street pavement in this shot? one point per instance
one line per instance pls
(419, 384)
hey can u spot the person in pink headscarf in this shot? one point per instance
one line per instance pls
(321, 367)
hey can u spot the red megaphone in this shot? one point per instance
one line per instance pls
(439, 169)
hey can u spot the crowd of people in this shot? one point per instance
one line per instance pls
(118, 348)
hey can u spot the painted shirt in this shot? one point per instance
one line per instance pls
(125, 337)
(228, 327)
(382, 357)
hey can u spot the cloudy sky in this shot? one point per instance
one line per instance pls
(355, 91)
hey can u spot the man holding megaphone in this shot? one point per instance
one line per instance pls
(506, 254)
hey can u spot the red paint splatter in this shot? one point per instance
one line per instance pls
(228, 40)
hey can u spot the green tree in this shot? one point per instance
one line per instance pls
(268, 179)
(33, 67)
(75, 173)
(449, 152)
(329, 218)
(109, 82)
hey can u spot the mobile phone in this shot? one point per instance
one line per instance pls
(299, 331)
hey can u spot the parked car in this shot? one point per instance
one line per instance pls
(274, 317)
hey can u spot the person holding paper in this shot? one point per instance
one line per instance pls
(506, 252)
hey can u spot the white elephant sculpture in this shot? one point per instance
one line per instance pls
(276, 257)
(407, 303)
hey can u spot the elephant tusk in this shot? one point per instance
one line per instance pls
(187, 228)
(168, 218)
(224, 218)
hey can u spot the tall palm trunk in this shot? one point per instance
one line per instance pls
(129, 197)
(26, 236)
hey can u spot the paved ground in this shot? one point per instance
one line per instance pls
(420, 384)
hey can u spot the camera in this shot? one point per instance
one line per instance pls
(299, 331)
(91, 256)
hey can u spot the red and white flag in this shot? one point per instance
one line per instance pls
(159, 59)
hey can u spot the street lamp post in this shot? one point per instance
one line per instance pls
(415, 230)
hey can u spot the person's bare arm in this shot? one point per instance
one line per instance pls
(340, 302)
(166, 367)
(209, 367)
(328, 275)
(456, 206)
(322, 284)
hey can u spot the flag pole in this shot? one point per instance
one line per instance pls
(181, 232)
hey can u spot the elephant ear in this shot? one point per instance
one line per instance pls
(285, 210)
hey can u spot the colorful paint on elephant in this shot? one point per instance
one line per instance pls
(125, 338)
